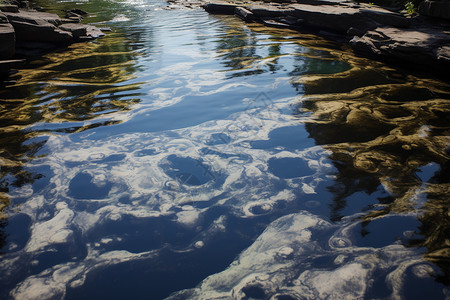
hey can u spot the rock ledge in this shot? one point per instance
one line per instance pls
(26, 32)
(420, 42)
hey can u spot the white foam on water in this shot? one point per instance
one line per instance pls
(239, 175)
(55, 231)
(280, 263)
(277, 262)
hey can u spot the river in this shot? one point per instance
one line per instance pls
(194, 156)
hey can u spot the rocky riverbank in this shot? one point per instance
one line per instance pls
(26, 32)
(419, 42)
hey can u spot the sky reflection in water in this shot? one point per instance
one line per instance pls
(195, 156)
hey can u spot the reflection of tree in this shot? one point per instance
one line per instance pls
(238, 52)
(241, 51)
(387, 132)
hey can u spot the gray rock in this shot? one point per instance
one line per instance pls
(438, 9)
(83, 31)
(244, 14)
(355, 32)
(420, 47)
(386, 17)
(275, 23)
(322, 2)
(376, 31)
(272, 11)
(93, 32)
(77, 30)
(8, 41)
(3, 18)
(34, 17)
(340, 18)
(220, 8)
(66, 20)
(75, 19)
(9, 8)
(330, 17)
(443, 53)
(291, 20)
(43, 32)
(38, 27)
(73, 15)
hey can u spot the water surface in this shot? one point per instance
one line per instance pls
(194, 156)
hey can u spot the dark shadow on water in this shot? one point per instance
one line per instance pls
(171, 269)
(384, 135)
(289, 167)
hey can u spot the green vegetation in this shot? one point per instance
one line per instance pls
(410, 8)
(409, 5)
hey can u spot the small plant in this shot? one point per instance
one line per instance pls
(410, 8)
(371, 4)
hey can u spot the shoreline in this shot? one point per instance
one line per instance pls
(420, 43)
(27, 32)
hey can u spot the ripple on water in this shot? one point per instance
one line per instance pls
(202, 180)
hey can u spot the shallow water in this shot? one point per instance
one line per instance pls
(193, 156)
